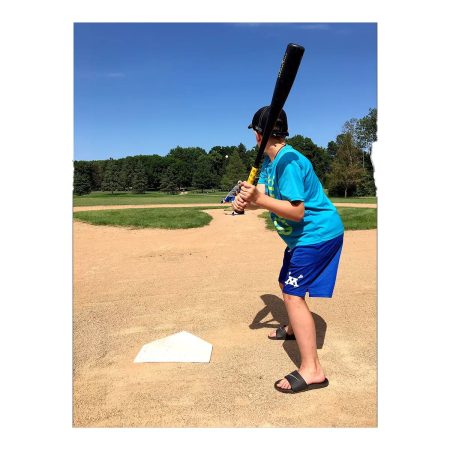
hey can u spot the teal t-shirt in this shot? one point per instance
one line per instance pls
(290, 176)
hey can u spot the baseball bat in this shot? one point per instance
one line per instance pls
(285, 80)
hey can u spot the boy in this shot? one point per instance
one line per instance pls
(313, 231)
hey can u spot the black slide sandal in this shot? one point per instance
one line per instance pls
(298, 384)
(282, 334)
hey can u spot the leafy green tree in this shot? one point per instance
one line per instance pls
(235, 170)
(340, 139)
(187, 154)
(111, 177)
(367, 130)
(187, 167)
(242, 151)
(332, 149)
(366, 187)
(351, 127)
(346, 169)
(155, 167)
(363, 132)
(367, 135)
(319, 158)
(204, 177)
(139, 180)
(82, 183)
(97, 171)
(250, 156)
(182, 172)
(126, 173)
(168, 183)
(223, 151)
(219, 156)
(184, 162)
(218, 162)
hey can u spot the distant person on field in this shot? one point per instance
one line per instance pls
(310, 226)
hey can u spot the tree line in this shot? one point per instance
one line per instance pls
(344, 167)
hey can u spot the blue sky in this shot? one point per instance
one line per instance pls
(144, 88)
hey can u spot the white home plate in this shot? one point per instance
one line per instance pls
(179, 347)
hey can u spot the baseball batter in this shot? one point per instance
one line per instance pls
(312, 229)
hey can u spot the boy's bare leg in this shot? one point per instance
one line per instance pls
(288, 329)
(305, 332)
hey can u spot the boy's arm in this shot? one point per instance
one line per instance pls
(283, 208)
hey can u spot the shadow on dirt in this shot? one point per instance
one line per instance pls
(274, 306)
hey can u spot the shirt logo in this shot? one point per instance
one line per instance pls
(292, 280)
(281, 225)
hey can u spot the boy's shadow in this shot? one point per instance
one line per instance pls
(275, 306)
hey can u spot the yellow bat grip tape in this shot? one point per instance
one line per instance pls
(252, 175)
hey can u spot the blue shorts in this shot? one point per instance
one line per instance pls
(311, 268)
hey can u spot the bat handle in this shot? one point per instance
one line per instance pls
(252, 175)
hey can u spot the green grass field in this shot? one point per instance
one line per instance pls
(178, 218)
(158, 198)
(167, 218)
(353, 218)
(368, 200)
(149, 198)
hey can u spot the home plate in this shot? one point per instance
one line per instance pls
(178, 347)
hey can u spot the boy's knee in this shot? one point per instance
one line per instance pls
(292, 298)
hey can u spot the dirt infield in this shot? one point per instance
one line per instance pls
(219, 283)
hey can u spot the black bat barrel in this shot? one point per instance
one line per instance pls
(285, 80)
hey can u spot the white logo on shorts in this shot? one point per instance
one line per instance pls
(292, 280)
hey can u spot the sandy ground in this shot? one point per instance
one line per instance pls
(219, 283)
(186, 205)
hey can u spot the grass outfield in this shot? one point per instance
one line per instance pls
(167, 218)
(158, 198)
(353, 218)
(368, 200)
(149, 198)
(179, 218)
